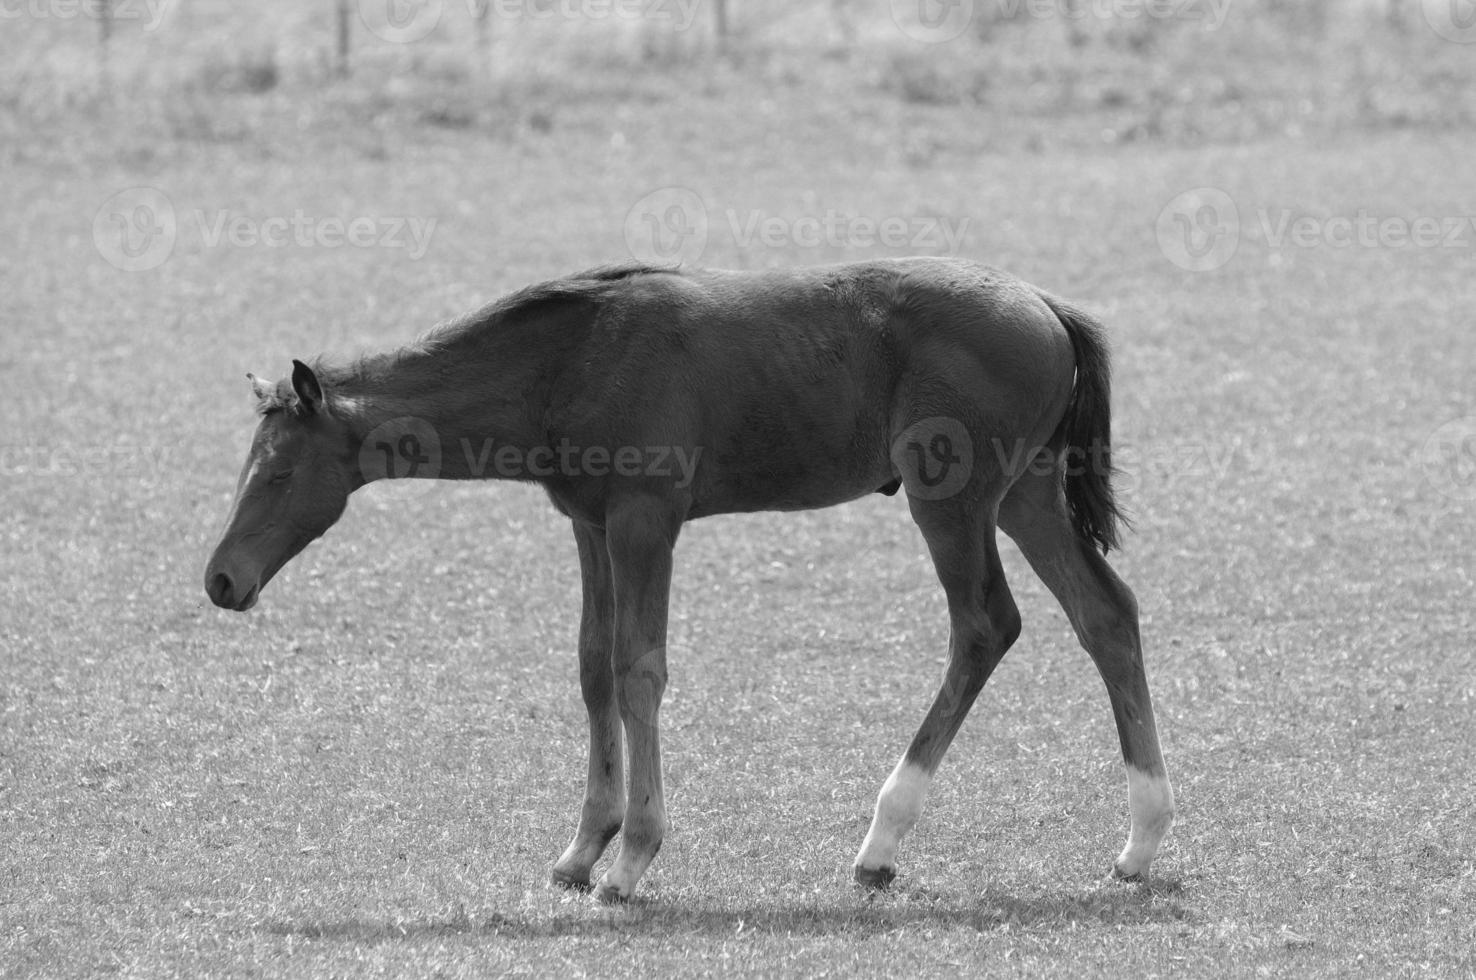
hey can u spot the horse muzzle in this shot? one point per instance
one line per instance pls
(226, 593)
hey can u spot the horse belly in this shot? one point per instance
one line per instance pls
(824, 444)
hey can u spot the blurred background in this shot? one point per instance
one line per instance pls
(1031, 73)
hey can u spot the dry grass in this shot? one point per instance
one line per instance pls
(371, 774)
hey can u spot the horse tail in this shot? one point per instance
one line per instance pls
(1085, 431)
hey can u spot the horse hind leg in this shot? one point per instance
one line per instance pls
(1104, 614)
(983, 624)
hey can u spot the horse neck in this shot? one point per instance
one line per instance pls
(472, 400)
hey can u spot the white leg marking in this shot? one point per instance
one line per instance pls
(898, 806)
(1151, 802)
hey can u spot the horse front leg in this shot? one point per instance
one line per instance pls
(641, 536)
(604, 790)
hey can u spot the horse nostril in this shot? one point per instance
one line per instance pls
(221, 590)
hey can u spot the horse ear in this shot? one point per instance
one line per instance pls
(261, 389)
(309, 392)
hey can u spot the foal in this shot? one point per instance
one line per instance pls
(642, 398)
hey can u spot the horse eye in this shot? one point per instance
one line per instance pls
(281, 477)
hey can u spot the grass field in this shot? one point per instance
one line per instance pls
(372, 773)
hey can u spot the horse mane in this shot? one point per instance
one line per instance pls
(589, 286)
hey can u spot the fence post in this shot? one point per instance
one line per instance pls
(721, 24)
(1394, 14)
(345, 15)
(105, 39)
(482, 14)
(840, 16)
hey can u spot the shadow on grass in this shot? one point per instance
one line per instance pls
(1111, 905)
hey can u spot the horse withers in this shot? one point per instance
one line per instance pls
(642, 398)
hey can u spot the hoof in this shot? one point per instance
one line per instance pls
(1129, 877)
(610, 895)
(875, 879)
(574, 883)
